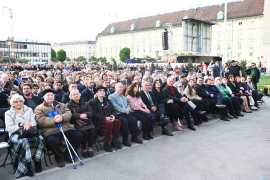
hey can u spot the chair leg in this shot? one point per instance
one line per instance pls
(49, 155)
(114, 142)
(96, 145)
(99, 143)
(45, 159)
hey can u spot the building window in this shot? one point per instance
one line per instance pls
(218, 46)
(238, 54)
(251, 22)
(106, 51)
(239, 45)
(228, 55)
(251, 54)
(240, 23)
(228, 46)
(101, 50)
(229, 34)
(250, 44)
(111, 50)
(115, 50)
(219, 35)
(143, 40)
(156, 39)
(229, 24)
(143, 49)
(138, 50)
(239, 33)
(137, 41)
(131, 50)
(251, 33)
(150, 49)
(150, 40)
(219, 25)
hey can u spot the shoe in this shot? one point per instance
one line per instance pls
(254, 108)
(224, 119)
(202, 112)
(248, 111)
(258, 107)
(166, 132)
(239, 114)
(149, 135)
(260, 101)
(197, 122)
(107, 147)
(229, 116)
(198, 114)
(68, 159)
(29, 173)
(85, 154)
(234, 116)
(162, 118)
(38, 166)
(204, 119)
(61, 164)
(179, 123)
(146, 137)
(176, 126)
(208, 117)
(117, 145)
(191, 127)
(136, 140)
(90, 154)
(220, 105)
(126, 143)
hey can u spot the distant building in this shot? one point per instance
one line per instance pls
(75, 49)
(29, 50)
(193, 33)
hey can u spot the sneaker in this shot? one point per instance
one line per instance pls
(224, 119)
(260, 101)
(254, 108)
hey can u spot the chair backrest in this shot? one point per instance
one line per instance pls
(2, 112)
(2, 124)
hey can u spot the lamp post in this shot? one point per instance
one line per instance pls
(156, 54)
(258, 62)
(8, 42)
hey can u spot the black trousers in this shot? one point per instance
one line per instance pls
(88, 136)
(200, 106)
(237, 101)
(186, 108)
(174, 111)
(53, 143)
(209, 102)
(142, 118)
(229, 105)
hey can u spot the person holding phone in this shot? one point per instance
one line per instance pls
(104, 118)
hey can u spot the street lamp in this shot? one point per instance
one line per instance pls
(157, 54)
(8, 42)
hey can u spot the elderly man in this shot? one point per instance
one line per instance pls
(51, 132)
(123, 110)
(172, 93)
(151, 102)
(104, 116)
(65, 97)
(88, 93)
(4, 90)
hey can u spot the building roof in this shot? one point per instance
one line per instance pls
(235, 10)
(74, 43)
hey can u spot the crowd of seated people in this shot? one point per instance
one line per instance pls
(93, 99)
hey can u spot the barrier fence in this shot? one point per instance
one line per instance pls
(264, 79)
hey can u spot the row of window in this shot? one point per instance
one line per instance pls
(144, 50)
(239, 45)
(239, 34)
(239, 23)
(150, 40)
(81, 53)
(78, 47)
(238, 55)
(25, 54)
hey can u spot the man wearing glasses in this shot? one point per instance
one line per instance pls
(254, 72)
(29, 100)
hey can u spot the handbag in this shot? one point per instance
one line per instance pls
(192, 104)
(32, 132)
(83, 122)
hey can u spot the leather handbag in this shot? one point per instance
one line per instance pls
(83, 122)
(32, 132)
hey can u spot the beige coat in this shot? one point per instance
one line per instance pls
(194, 95)
(12, 118)
(47, 124)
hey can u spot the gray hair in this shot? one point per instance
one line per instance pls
(118, 84)
(74, 90)
(14, 97)
(2, 81)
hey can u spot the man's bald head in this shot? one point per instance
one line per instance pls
(170, 81)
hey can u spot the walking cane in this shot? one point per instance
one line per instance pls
(51, 115)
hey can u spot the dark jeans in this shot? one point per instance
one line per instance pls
(53, 143)
(142, 118)
(255, 96)
(110, 127)
(160, 110)
(126, 121)
(88, 136)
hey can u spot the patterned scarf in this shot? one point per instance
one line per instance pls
(172, 89)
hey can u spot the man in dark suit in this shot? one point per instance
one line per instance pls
(84, 80)
(88, 93)
(151, 102)
(58, 90)
(65, 98)
(29, 100)
(107, 85)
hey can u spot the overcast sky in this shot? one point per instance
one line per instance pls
(66, 20)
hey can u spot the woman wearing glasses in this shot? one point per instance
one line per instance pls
(22, 117)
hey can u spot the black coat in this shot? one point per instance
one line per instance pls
(82, 88)
(37, 100)
(111, 92)
(146, 100)
(160, 96)
(65, 88)
(3, 101)
(65, 98)
(60, 93)
(87, 95)
(235, 89)
(256, 75)
(97, 108)
(169, 94)
(201, 91)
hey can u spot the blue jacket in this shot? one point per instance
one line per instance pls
(87, 95)
(216, 71)
(212, 89)
(117, 103)
(185, 70)
(39, 95)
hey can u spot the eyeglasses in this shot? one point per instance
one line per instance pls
(17, 102)
(180, 86)
(25, 88)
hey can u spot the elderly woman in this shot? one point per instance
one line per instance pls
(81, 118)
(27, 149)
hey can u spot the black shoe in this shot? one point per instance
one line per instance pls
(248, 111)
(68, 159)
(126, 143)
(220, 105)
(149, 135)
(61, 164)
(38, 166)
(107, 147)
(85, 154)
(198, 114)
(136, 140)
(117, 145)
(229, 116)
(258, 107)
(239, 114)
(166, 132)
(29, 172)
(197, 122)
(191, 127)
(202, 112)
(208, 117)
(234, 116)
(224, 119)
(90, 154)
(162, 118)
(204, 118)
(145, 137)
